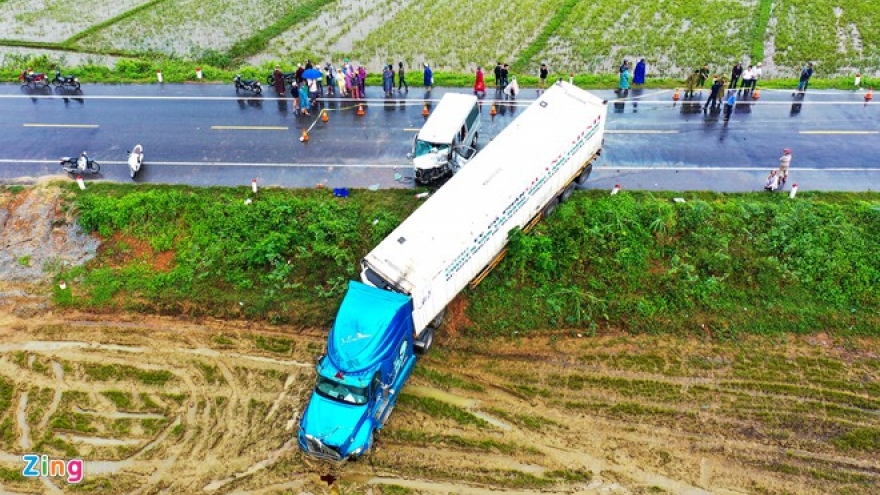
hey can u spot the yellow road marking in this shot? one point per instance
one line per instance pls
(79, 126)
(248, 128)
(840, 132)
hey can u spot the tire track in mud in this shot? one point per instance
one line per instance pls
(197, 428)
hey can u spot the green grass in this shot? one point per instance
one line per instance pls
(445, 380)
(7, 391)
(638, 262)
(865, 439)
(272, 344)
(120, 372)
(426, 439)
(123, 401)
(530, 421)
(439, 409)
(211, 374)
(11, 475)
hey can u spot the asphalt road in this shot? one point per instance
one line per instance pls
(204, 134)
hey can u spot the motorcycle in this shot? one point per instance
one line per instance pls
(247, 84)
(27, 78)
(60, 80)
(289, 77)
(135, 159)
(81, 165)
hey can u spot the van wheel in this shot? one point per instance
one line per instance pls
(438, 320)
(423, 343)
(566, 194)
(582, 179)
(550, 208)
(476, 140)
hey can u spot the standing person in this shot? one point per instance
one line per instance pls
(341, 83)
(498, 76)
(624, 66)
(756, 74)
(640, 73)
(299, 74)
(784, 165)
(331, 79)
(480, 83)
(722, 91)
(304, 99)
(351, 84)
(543, 72)
(690, 83)
(713, 95)
(729, 104)
(387, 81)
(806, 74)
(278, 81)
(505, 73)
(736, 74)
(428, 77)
(512, 88)
(747, 76)
(703, 75)
(401, 79)
(393, 75)
(623, 85)
(362, 81)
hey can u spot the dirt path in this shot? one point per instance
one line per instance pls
(163, 405)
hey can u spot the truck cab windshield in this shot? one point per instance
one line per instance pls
(341, 392)
(424, 147)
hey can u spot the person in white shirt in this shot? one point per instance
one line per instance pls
(747, 77)
(756, 74)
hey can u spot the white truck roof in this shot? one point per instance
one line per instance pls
(443, 244)
(445, 122)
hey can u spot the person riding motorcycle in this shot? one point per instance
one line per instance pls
(82, 163)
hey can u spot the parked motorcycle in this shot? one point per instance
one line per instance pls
(247, 84)
(135, 159)
(289, 77)
(27, 78)
(81, 165)
(60, 80)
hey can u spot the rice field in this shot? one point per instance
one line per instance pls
(840, 37)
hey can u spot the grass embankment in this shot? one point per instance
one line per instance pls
(717, 264)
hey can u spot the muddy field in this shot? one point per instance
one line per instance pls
(163, 405)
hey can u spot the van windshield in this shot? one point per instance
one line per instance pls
(341, 392)
(424, 147)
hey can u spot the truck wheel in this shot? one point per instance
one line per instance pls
(582, 179)
(476, 139)
(566, 194)
(423, 344)
(550, 208)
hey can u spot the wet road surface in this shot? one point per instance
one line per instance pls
(205, 134)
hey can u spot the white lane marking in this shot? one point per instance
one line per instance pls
(248, 128)
(604, 168)
(839, 132)
(71, 126)
(222, 164)
(637, 131)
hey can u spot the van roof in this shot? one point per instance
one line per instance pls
(445, 122)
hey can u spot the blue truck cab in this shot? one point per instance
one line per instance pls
(369, 356)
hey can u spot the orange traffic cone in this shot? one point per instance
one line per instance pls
(677, 95)
(324, 116)
(425, 111)
(869, 94)
(756, 94)
(360, 110)
(493, 112)
(304, 137)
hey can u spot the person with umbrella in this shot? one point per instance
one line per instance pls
(428, 77)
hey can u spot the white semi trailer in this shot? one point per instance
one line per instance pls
(458, 234)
